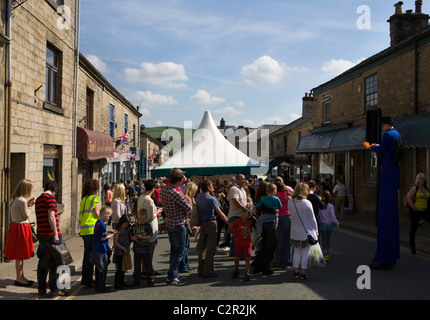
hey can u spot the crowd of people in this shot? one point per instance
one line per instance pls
(274, 218)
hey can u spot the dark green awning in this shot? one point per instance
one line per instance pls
(349, 139)
(415, 130)
(332, 141)
(316, 143)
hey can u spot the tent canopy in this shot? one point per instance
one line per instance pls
(209, 153)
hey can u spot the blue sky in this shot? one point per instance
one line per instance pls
(247, 61)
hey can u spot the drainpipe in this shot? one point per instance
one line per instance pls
(416, 78)
(7, 191)
(75, 162)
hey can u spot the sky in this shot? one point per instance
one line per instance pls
(247, 61)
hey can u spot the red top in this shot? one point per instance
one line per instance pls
(242, 235)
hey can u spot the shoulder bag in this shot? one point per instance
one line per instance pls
(311, 239)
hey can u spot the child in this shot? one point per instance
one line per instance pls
(141, 234)
(122, 248)
(101, 248)
(327, 219)
(269, 206)
(242, 239)
(266, 227)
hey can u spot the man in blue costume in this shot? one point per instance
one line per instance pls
(388, 236)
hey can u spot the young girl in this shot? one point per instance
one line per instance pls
(122, 248)
(327, 219)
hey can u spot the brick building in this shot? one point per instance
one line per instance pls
(392, 83)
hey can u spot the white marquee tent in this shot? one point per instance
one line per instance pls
(209, 153)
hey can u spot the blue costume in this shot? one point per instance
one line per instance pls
(388, 236)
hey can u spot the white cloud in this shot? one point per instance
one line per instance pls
(228, 111)
(164, 74)
(159, 123)
(337, 66)
(239, 104)
(149, 99)
(264, 69)
(275, 119)
(293, 116)
(204, 97)
(248, 122)
(97, 63)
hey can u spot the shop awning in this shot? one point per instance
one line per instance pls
(316, 142)
(349, 139)
(93, 145)
(277, 161)
(415, 131)
(333, 141)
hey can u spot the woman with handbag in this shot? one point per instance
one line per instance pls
(19, 243)
(418, 198)
(304, 229)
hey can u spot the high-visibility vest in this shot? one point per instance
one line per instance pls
(87, 217)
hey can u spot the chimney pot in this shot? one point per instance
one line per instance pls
(398, 6)
(418, 6)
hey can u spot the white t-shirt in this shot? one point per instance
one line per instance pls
(146, 202)
(339, 190)
(236, 193)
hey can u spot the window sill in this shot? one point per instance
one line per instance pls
(53, 108)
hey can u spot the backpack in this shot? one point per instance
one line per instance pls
(405, 201)
(398, 150)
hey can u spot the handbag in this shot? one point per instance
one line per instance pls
(33, 232)
(56, 255)
(126, 262)
(195, 217)
(311, 239)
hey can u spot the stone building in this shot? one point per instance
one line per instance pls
(393, 83)
(43, 65)
(58, 130)
(284, 141)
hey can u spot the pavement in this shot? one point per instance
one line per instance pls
(361, 224)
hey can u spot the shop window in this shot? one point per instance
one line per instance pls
(52, 167)
(371, 167)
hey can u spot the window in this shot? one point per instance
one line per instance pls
(125, 123)
(371, 91)
(89, 115)
(55, 3)
(51, 167)
(327, 109)
(111, 120)
(52, 76)
(371, 167)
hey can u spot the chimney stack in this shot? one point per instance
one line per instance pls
(405, 26)
(308, 106)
